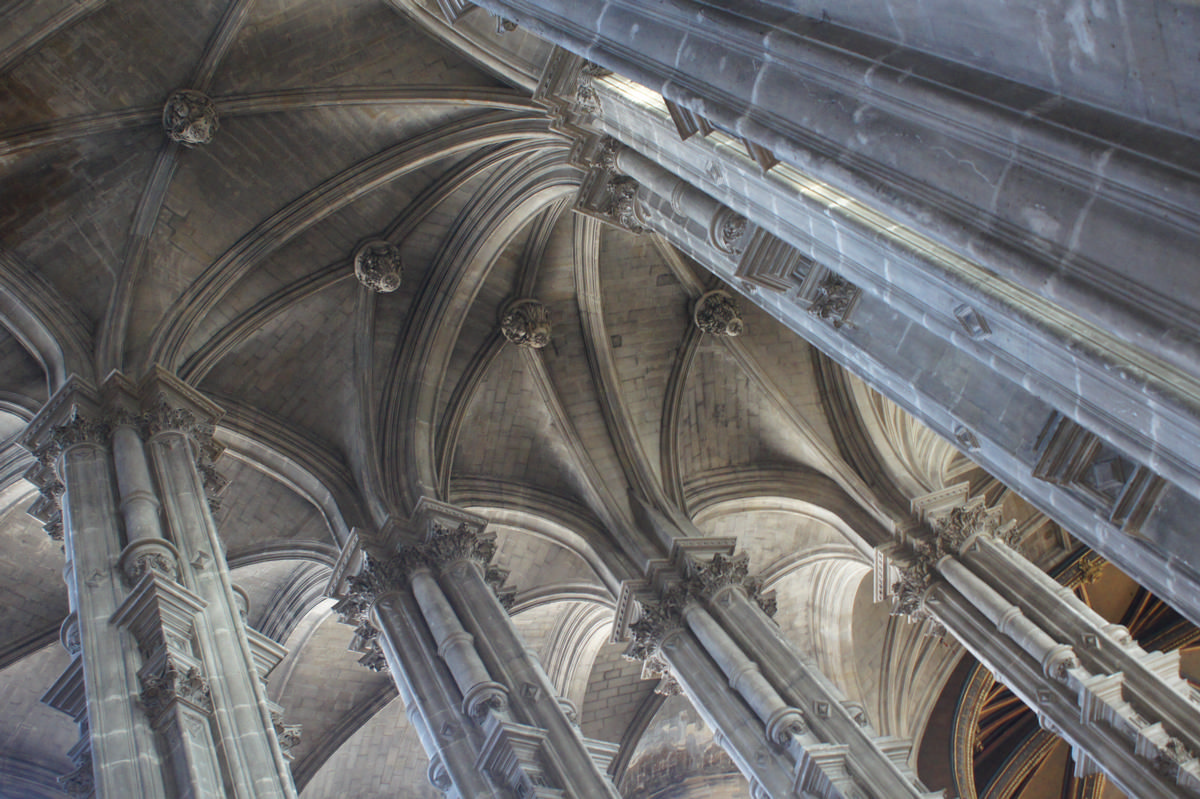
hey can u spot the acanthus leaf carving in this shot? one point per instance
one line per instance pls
(707, 578)
(174, 683)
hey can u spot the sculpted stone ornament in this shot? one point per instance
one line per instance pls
(80, 781)
(157, 562)
(722, 571)
(190, 118)
(717, 313)
(288, 735)
(378, 266)
(622, 204)
(162, 417)
(587, 100)
(655, 623)
(963, 522)
(834, 296)
(728, 228)
(170, 685)
(526, 323)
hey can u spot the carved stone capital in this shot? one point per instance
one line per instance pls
(526, 323)
(378, 266)
(449, 545)
(190, 118)
(657, 620)
(173, 683)
(717, 313)
(708, 578)
(964, 522)
(916, 576)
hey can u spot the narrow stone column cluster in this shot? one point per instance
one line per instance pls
(704, 626)
(430, 606)
(1122, 709)
(166, 679)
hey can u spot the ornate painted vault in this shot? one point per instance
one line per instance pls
(567, 398)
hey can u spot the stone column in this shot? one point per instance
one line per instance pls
(175, 704)
(880, 763)
(1122, 710)
(826, 744)
(488, 714)
(671, 650)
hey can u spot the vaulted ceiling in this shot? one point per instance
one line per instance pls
(230, 264)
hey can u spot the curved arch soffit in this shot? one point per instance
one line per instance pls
(546, 517)
(291, 474)
(44, 322)
(809, 494)
(419, 363)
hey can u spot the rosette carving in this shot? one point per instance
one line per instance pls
(728, 228)
(717, 313)
(190, 118)
(526, 323)
(378, 266)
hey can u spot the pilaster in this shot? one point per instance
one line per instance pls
(175, 701)
(1122, 710)
(488, 714)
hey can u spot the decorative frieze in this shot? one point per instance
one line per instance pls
(378, 266)
(717, 313)
(190, 118)
(526, 323)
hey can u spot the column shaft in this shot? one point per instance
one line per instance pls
(457, 647)
(124, 755)
(449, 738)
(255, 761)
(874, 760)
(737, 728)
(532, 694)
(744, 676)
